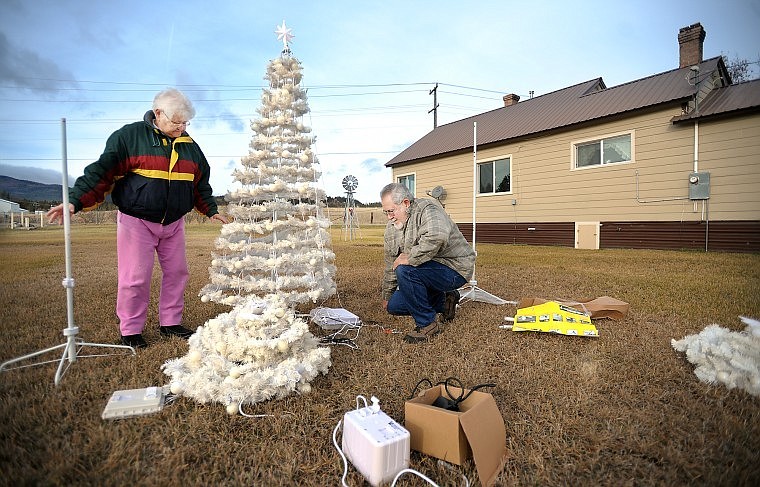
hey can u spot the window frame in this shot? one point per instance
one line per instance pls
(600, 139)
(407, 175)
(492, 160)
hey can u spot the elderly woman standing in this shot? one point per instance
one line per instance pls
(156, 174)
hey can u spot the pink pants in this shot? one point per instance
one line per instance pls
(136, 242)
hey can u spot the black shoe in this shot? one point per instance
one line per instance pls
(134, 341)
(423, 334)
(450, 305)
(175, 331)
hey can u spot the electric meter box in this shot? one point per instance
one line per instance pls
(699, 186)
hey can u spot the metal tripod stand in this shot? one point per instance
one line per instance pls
(73, 345)
(471, 291)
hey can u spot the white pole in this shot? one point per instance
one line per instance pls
(474, 293)
(474, 176)
(71, 331)
(696, 146)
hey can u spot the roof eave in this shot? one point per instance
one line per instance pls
(691, 117)
(612, 116)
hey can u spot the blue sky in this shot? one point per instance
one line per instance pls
(369, 67)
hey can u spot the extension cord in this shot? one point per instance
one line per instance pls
(376, 445)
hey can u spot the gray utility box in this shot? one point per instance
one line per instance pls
(699, 186)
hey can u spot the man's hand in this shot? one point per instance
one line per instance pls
(218, 217)
(385, 304)
(55, 214)
(402, 259)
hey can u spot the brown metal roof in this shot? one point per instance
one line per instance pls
(730, 99)
(580, 103)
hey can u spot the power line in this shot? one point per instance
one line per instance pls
(225, 88)
(471, 88)
(467, 95)
(355, 153)
(206, 100)
(221, 156)
(216, 86)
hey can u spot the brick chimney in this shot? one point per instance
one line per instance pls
(511, 99)
(690, 42)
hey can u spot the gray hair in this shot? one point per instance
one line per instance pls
(398, 192)
(174, 102)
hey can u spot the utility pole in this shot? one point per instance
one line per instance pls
(434, 92)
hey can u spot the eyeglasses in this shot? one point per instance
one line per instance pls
(174, 124)
(395, 209)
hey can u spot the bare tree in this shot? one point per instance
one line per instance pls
(741, 69)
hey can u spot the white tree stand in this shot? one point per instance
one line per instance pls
(471, 291)
(73, 345)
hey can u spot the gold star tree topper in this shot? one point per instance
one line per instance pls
(284, 34)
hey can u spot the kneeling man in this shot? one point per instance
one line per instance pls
(426, 260)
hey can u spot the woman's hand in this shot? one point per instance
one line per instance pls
(55, 214)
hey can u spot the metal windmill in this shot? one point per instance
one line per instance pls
(350, 220)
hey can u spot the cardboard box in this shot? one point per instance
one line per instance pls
(476, 430)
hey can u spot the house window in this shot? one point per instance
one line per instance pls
(495, 176)
(609, 150)
(408, 181)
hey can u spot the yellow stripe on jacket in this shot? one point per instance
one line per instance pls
(156, 174)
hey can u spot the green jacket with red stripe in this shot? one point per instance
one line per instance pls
(149, 175)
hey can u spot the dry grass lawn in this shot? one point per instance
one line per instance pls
(621, 409)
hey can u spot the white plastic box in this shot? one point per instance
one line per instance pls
(375, 444)
(334, 319)
(134, 402)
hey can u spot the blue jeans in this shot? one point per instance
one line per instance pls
(422, 290)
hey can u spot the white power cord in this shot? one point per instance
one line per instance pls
(321, 315)
(450, 467)
(345, 461)
(418, 474)
(240, 410)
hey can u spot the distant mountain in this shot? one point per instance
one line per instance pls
(19, 189)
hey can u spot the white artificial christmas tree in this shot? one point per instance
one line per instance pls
(274, 255)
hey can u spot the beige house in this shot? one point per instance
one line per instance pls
(667, 161)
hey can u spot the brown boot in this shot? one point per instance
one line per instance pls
(450, 306)
(423, 334)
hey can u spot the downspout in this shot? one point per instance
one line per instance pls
(696, 163)
(705, 203)
(696, 146)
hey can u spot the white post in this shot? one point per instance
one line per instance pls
(474, 176)
(472, 292)
(474, 190)
(71, 331)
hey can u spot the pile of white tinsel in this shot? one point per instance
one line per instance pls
(727, 357)
(258, 351)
